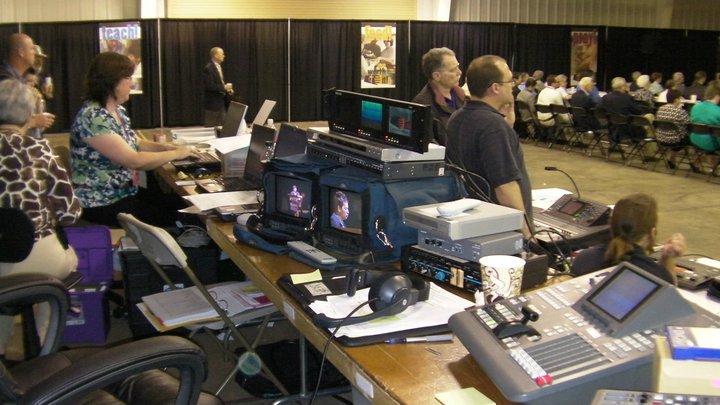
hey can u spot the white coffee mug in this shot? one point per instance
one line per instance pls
(501, 276)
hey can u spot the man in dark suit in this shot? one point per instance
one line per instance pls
(582, 98)
(216, 90)
(621, 103)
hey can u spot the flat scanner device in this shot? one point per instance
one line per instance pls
(485, 219)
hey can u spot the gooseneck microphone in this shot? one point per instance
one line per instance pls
(555, 169)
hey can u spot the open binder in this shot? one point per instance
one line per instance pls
(439, 307)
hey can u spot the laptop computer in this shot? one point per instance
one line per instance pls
(264, 112)
(209, 159)
(252, 176)
(291, 140)
(233, 119)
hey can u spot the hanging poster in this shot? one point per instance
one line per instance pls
(378, 68)
(584, 52)
(124, 38)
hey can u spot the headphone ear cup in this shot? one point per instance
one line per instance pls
(253, 222)
(390, 290)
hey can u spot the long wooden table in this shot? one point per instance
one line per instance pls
(384, 373)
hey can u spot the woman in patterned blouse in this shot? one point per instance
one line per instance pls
(33, 180)
(107, 156)
(673, 112)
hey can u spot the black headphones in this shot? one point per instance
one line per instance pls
(390, 293)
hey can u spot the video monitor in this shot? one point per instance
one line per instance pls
(290, 201)
(346, 210)
(395, 123)
(293, 196)
(622, 294)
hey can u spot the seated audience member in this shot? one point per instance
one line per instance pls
(442, 92)
(656, 83)
(529, 96)
(643, 93)
(33, 180)
(669, 85)
(107, 155)
(582, 99)
(549, 96)
(673, 112)
(619, 102)
(633, 225)
(633, 80)
(679, 80)
(707, 112)
(563, 87)
(538, 76)
(697, 88)
(595, 92)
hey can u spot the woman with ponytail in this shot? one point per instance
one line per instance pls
(633, 225)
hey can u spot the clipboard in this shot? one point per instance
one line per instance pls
(335, 283)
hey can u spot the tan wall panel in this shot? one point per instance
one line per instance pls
(295, 9)
(687, 14)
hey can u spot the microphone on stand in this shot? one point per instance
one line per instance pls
(555, 169)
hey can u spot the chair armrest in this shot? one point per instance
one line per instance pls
(115, 364)
(22, 290)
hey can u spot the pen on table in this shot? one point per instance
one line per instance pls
(423, 339)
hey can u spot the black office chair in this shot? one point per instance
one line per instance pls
(564, 127)
(129, 373)
(602, 140)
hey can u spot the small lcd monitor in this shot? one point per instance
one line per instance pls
(293, 196)
(346, 210)
(623, 294)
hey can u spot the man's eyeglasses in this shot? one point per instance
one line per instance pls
(508, 81)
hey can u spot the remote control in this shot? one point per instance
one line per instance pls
(311, 252)
(452, 208)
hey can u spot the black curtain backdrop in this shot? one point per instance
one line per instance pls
(261, 63)
(325, 54)
(664, 51)
(544, 47)
(255, 63)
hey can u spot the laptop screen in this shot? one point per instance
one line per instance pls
(264, 112)
(233, 119)
(291, 140)
(259, 139)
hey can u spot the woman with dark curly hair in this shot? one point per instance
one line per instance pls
(106, 154)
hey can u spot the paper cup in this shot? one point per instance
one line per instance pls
(501, 276)
(693, 97)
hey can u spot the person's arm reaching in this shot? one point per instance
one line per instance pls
(116, 149)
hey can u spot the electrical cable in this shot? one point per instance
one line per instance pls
(564, 259)
(327, 345)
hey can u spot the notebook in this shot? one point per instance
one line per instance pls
(233, 119)
(291, 140)
(252, 176)
(264, 112)
(209, 159)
